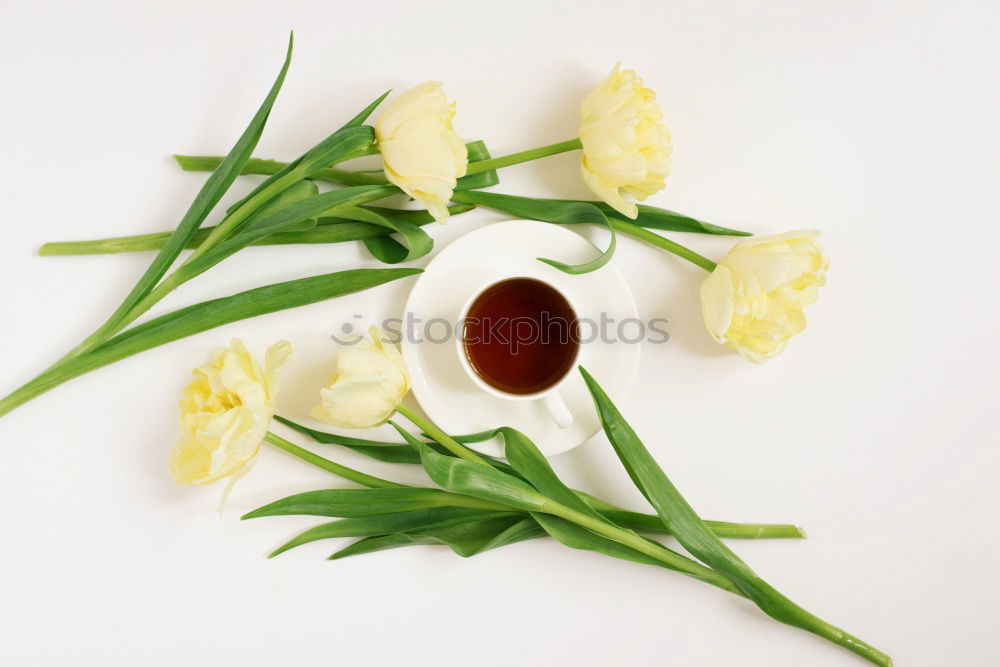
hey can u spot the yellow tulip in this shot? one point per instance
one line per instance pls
(626, 146)
(370, 380)
(421, 152)
(753, 302)
(225, 413)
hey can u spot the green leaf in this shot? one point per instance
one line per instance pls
(348, 141)
(653, 217)
(367, 111)
(391, 452)
(481, 436)
(368, 502)
(209, 195)
(466, 539)
(387, 249)
(210, 314)
(282, 220)
(382, 543)
(695, 536)
(486, 482)
(474, 479)
(527, 460)
(366, 526)
(525, 457)
(296, 193)
(573, 536)
(484, 179)
(416, 243)
(545, 210)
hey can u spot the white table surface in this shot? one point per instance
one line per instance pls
(875, 122)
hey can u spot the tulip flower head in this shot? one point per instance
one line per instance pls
(753, 301)
(422, 154)
(626, 146)
(225, 412)
(370, 381)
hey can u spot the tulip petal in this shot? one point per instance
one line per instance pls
(717, 302)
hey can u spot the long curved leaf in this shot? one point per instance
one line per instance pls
(695, 536)
(653, 217)
(282, 220)
(484, 179)
(556, 212)
(466, 539)
(368, 502)
(474, 479)
(367, 111)
(416, 242)
(390, 452)
(526, 459)
(327, 152)
(210, 314)
(400, 522)
(206, 199)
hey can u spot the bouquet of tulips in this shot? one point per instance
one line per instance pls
(480, 503)
(752, 301)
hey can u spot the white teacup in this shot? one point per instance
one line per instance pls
(549, 396)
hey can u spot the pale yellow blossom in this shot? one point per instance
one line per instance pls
(225, 412)
(626, 146)
(370, 381)
(421, 152)
(753, 302)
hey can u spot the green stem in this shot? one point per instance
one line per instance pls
(651, 523)
(270, 167)
(431, 429)
(347, 177)
(648, 547)
(330, 466)
(523, 156)
(635, 231)
(446, 498)
(35, 387)
(242, 212)
(327, 230)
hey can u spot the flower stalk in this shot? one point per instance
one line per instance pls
(431, 429)
(343, 471)
(643, 234)
(524, 156)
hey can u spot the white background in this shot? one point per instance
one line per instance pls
(875, 122)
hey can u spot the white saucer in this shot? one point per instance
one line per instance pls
(441, 386)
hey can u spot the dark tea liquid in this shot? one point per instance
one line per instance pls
(520, 336)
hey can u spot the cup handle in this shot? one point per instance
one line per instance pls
(557, 408)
